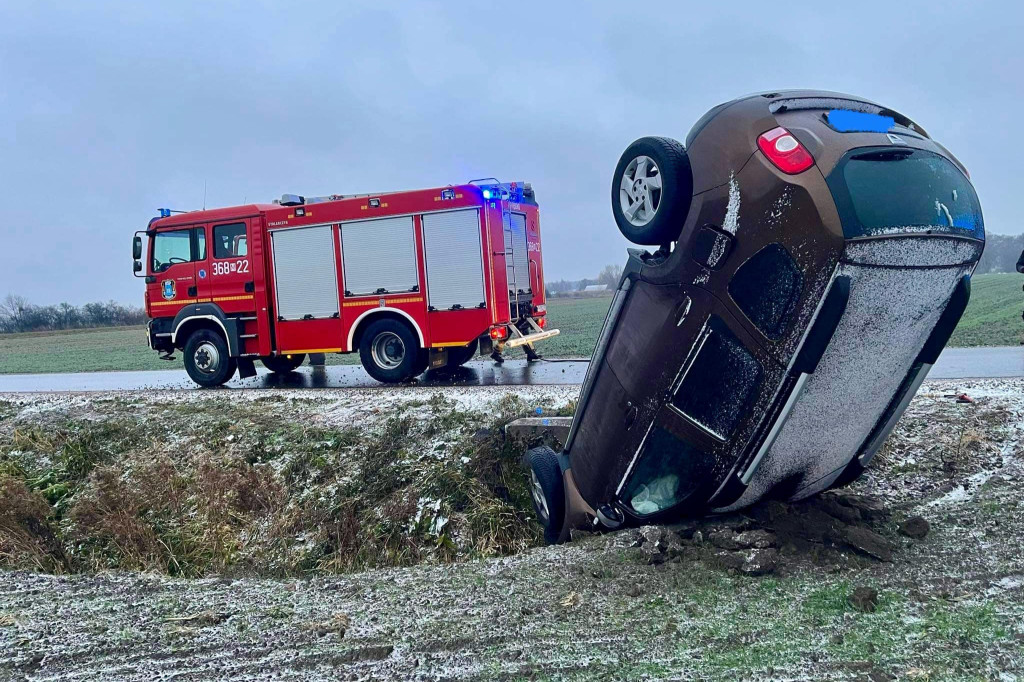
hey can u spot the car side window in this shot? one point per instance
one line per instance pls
(766, 288)
(229, 241)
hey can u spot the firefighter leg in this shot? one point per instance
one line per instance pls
(531, 353)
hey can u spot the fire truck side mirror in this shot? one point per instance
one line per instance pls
(137, 266)
(137, 248)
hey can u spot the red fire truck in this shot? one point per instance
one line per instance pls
(410, 280)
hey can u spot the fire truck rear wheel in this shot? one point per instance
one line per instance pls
(282, 364)
(460, 355)
(422, 362)
(206, 358)
(390, 351)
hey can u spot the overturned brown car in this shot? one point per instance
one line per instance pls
(814, 255)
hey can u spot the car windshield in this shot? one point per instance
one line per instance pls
(897, 190)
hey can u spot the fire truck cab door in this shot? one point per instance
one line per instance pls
(174, 255)
(228, 279)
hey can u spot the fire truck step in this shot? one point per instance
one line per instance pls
(248, 336)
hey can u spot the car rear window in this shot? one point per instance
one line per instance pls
(893, 190)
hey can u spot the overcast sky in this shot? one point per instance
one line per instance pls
(111, 110)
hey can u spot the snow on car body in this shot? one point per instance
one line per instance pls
(815, 255)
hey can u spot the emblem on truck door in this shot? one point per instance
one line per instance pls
(167, 289)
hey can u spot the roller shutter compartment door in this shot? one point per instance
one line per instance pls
(520, 253)
(455, 272)
(379, 256)
(510, 271)
(305, 273)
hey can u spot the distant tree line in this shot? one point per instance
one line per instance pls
(18, 315)
(1001, 253)
(566, 287)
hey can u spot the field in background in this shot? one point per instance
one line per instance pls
(992, 319)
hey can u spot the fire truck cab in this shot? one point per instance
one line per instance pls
(409, 280)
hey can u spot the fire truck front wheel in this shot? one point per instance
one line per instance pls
(390, 351)
(206, 358)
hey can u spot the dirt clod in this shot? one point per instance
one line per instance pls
(864, 599)
(760, 562)
(916, 527)
(724, 539)
(756, 539)
(869, 542)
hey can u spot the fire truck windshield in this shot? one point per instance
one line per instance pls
(170, 248)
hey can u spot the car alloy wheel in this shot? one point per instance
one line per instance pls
(640, 190)
(539, 501)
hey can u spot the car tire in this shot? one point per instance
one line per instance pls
(547, 491)
(282, 364)
(460, 355)
(390, 351)
(206, 359)
(652, 190)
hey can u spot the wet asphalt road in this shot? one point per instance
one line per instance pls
(955, 363)
(477, 373)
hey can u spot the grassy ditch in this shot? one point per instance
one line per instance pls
(215, 486)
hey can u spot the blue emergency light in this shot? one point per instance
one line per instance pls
(165, 212)
(487, 194)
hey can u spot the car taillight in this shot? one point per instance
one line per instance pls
(785, 151)
(498, 333)
(541, 322)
